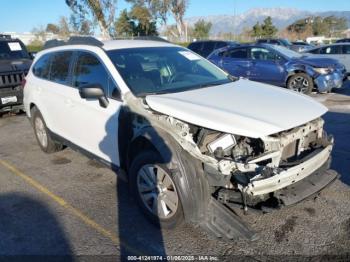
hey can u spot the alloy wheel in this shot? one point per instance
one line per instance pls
(40, 131)
(299, 84)
(157, 191)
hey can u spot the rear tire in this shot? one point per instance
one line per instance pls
(155, 190)
(301, 82)
(42, 134)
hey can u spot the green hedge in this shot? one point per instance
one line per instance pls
(184, 44)
(34, 48)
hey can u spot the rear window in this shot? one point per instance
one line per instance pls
(12, 50)
(42, 67)
(60, 67)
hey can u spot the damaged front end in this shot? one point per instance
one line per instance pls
(270, 171)
(258, 173)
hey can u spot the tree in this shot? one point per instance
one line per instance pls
(40, 35)
(178, 9)
(159, 9)
(143, 21)
(201, 29)
(123, 25)
(52, 28)
(257, 30)
(103, 11)
(85, 28)
(65, 30)
(267, 28)
(79, 25)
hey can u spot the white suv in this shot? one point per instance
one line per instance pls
(192, 139)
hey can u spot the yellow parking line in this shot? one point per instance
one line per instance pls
(88, 221)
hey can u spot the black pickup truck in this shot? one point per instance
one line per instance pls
(14, 65)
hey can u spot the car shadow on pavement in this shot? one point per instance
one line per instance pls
(28, 227)
(338, 124)
(137, 235)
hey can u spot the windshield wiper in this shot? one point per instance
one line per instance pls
(233, 78)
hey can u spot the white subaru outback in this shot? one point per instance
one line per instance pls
(194, 142)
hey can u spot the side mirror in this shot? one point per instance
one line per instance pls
(32, 54)
(94, 91)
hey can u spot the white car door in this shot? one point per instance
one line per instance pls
(90, 126)
(51, 89)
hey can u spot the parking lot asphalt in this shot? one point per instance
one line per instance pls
(65, 204)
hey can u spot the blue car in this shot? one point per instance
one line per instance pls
(277, 65)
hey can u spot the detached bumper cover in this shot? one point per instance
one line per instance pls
(291, 175)
(328, 82)
(306, 187)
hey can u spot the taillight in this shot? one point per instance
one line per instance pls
(23, 82)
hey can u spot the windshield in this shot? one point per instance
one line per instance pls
(12, 50)
(158, 70)
(285, 42)
(287, 52)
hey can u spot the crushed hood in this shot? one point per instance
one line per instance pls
(317, 61)
(243, 107)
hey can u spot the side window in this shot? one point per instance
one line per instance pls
(220, 44)
(258, 53)
(346, 49)
(238, 53)
(194, 46)
(60, 67)
(315, 51)
(208, 48)
(42, 67)
(89, 70)
(330, 50)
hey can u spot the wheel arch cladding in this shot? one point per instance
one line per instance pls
(186, 171)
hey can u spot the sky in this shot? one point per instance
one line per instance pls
(24, 15)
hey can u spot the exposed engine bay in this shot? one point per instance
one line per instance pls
(244, 170)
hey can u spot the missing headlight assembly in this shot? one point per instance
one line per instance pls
(253, 171)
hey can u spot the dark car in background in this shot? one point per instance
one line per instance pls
(205, 48)
(15, 62)
(296, 46)
(301, 46)
(280, 66)
(275, 41)
(343, 40)
(339, 51)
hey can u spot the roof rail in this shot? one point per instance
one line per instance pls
(3, 36)
(151, 38)
(74, 40)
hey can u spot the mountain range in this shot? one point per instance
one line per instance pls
(281, 18)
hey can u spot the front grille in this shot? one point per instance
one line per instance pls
(14, 79)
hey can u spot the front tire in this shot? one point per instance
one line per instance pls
(42, 134)
(155, 190)
(300, 82)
